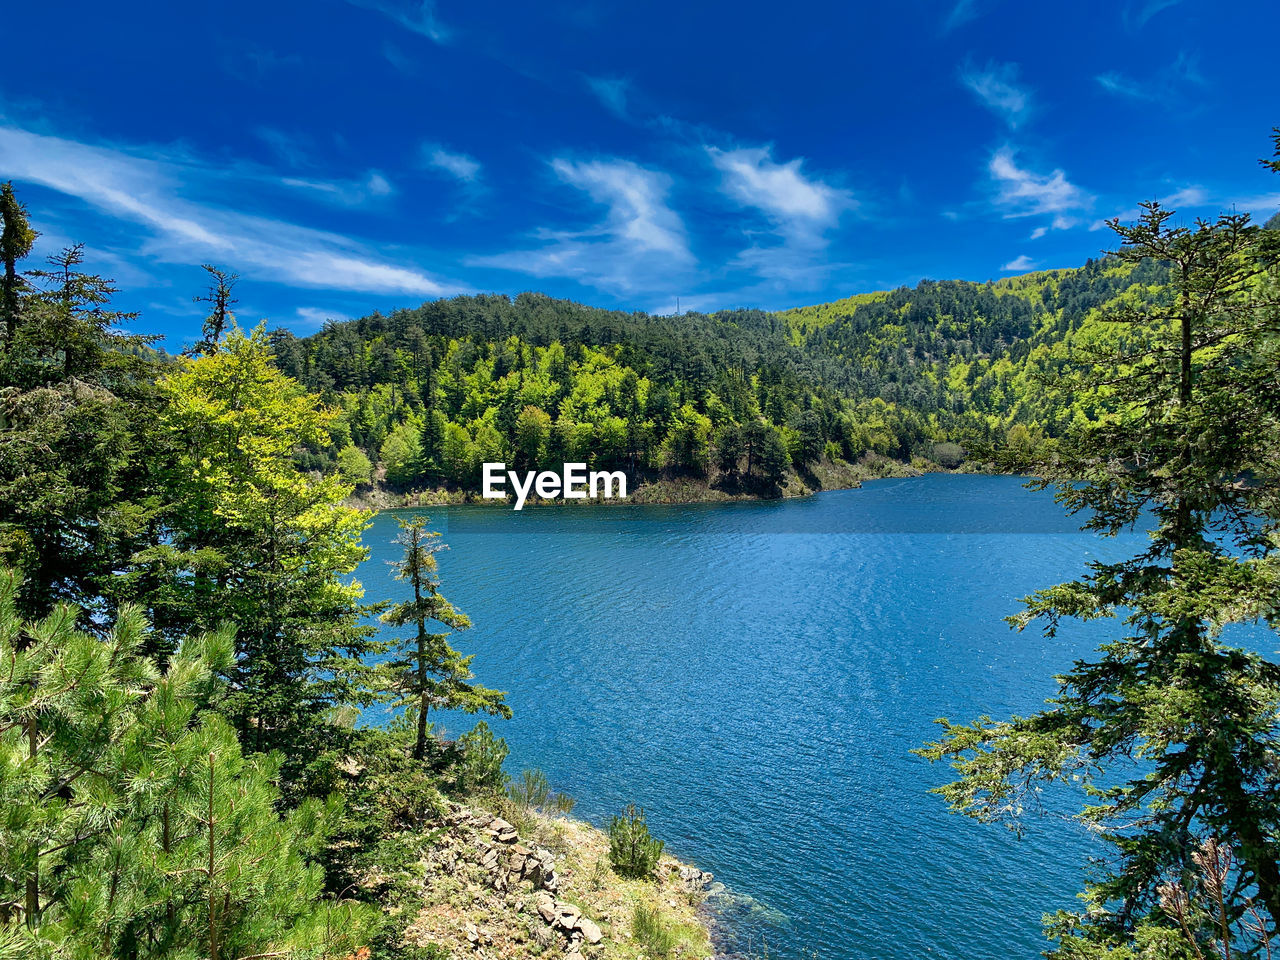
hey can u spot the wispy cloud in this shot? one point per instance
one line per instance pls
(460, 166)
(398, 59)
(1137, 14)
(1166, 86)
(962, 11)
(348, 193)
(418, 16)
(1021, 192)
(997, 87)
(800, 209)
(152, 192)
(317, 317)
(611, 92)
(1019, 264)
(638, 245)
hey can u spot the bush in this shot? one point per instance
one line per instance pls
(632, 851)
(482, 758)
(652, 932)
(533, 792)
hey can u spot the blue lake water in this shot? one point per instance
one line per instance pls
(755, 676)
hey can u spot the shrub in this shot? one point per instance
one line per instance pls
(632, 851)
(533, 792)
(482, 758)
(653, 932)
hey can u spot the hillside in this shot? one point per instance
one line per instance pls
(745, 402)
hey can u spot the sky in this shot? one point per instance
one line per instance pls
(346, 156)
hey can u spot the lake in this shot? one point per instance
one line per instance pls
(755, 676)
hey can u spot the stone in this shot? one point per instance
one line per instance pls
(567, 916)
(546, 907)
(473, 935)
(590, 930)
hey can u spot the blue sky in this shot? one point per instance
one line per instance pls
(351, 155)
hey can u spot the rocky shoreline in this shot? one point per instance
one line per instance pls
(494, 891)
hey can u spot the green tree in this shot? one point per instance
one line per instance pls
(401, 455)
(1174, 734)
(132, 827)
(729, 447)
(353, 466)
(252, 540)
(16, 240)
(424, 671)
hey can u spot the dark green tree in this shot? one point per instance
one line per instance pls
(424, 671)
(1173, 733)
(16, 240)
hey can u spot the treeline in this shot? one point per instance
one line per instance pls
(432, 393)
(428, 395)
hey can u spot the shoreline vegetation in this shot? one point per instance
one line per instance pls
(821, 476)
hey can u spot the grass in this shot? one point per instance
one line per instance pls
(653, 931)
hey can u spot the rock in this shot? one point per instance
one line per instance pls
(546, 907)
(567, 916)
(473, 934)
(590, 930)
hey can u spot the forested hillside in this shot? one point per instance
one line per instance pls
(740, 397)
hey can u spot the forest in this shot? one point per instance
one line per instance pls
(184, 651)
(737, 398)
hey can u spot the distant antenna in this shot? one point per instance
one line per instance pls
(677, 304)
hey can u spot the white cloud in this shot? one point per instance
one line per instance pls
(962, 12)
(611, 92)
(638, 245)
(419, 16)
(350, 193)
(1018, 264)
(1039, 232)
(152, 192)
(1137, 14)
(1024, 193)
(459, 165)
(801, 207)
(1165, 86)
(996, 86)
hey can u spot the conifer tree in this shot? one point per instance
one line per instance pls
(131, 826)
(1174, 734)
(425, 672)
(16, 240)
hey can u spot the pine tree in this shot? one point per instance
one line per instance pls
(131, 826)
(425, 672)
(16, 240)
(1174, 734)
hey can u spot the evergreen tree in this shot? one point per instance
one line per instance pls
(130, 826)
(16, 240)
(425, 672)
(1174, 734)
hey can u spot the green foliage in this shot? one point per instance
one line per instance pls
(1172, 733)
(251, 539)
(354, 467)
(532, 791)
(632, 852)
(133, 826)
(482, 758)
(656, 935)
(424, 671)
